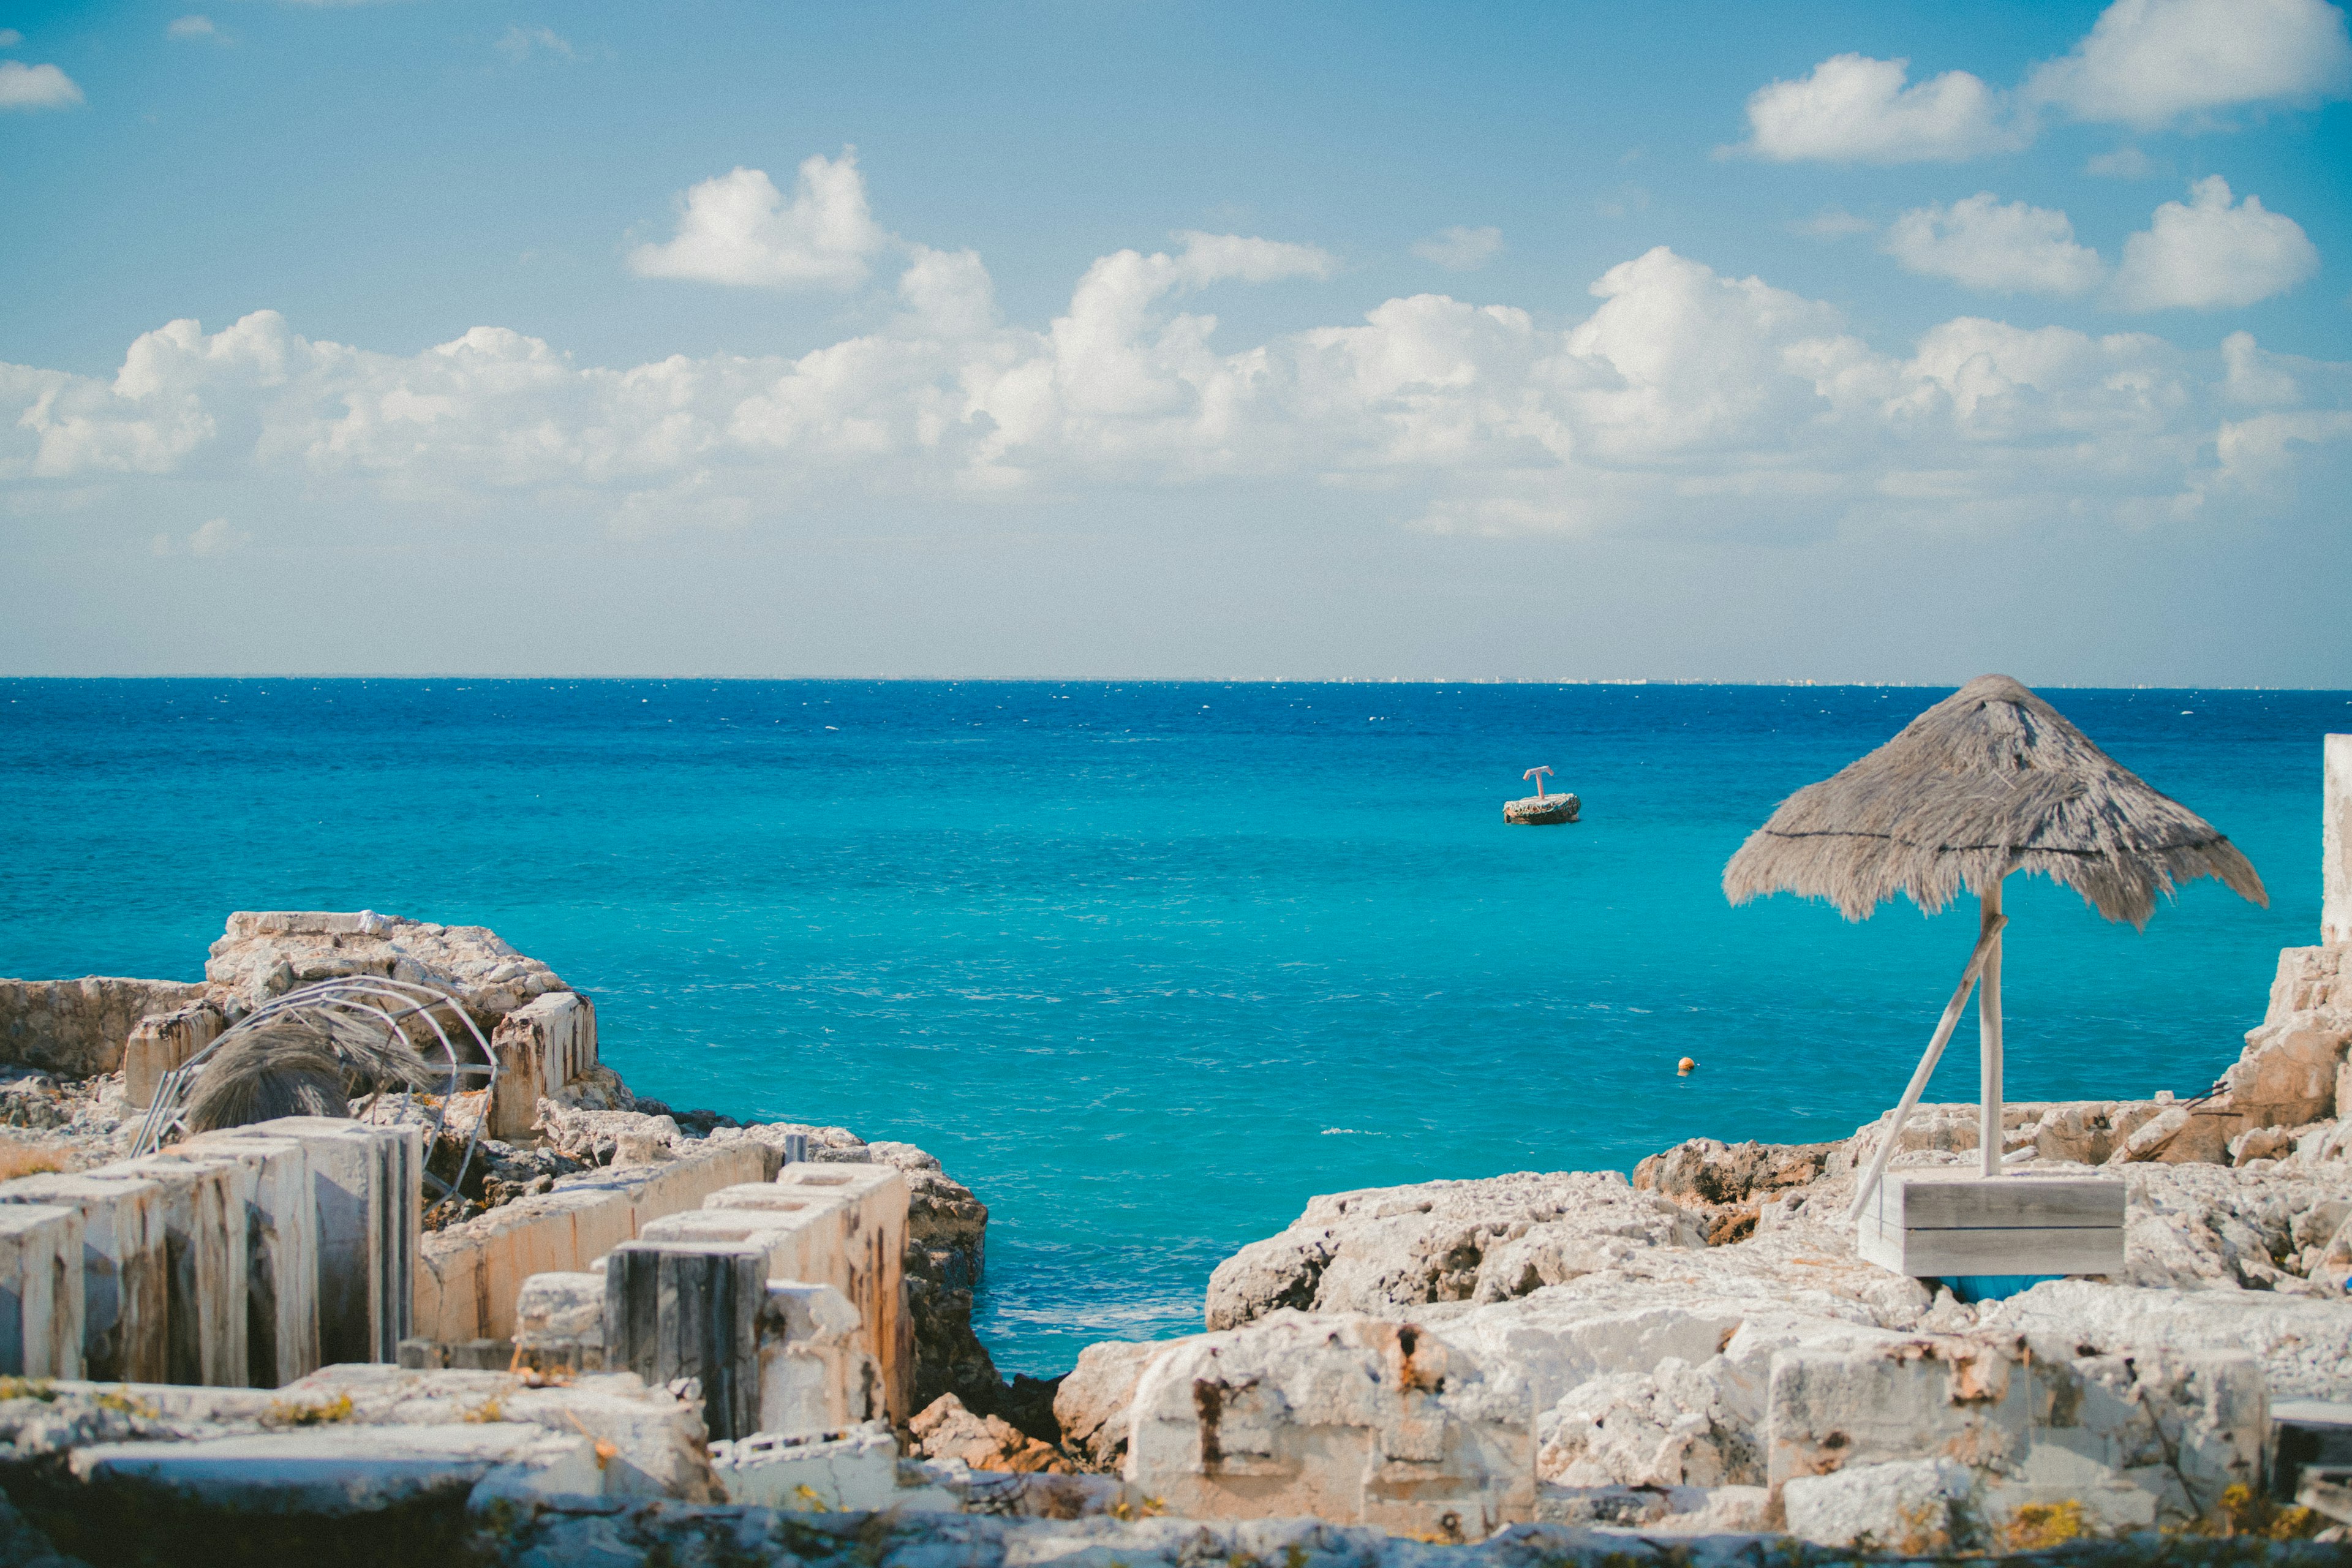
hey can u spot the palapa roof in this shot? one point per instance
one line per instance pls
(1990, 780)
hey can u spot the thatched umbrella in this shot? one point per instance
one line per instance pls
(1991, 780)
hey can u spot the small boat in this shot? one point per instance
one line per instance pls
(1539, 809)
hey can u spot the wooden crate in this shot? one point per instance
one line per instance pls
(1941, 1223)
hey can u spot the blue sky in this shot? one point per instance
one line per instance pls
(1711, 342)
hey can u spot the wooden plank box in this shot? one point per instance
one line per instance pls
(1942, 1224)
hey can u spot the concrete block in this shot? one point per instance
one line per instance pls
(840, 1471)
(159, 1043)
(469, 1276)
(205, 1231)
(126, 1268)
(1352, 1419)
(673, 1312)
(367, 1201)
(804, 1226)
(815, 1373)
(2139, 1436)
(40, 1290)
(1942, 1223)
(540, 1047)
(874, 1250)
(560, 1323)
(281, 1251)
(339, 1469)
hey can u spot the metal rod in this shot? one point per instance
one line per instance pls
(1986, 940)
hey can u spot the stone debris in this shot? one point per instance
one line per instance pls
(946, 1430)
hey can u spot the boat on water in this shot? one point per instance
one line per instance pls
(1541, 809)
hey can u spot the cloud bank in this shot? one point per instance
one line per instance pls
(1685, 400)
(2147, 64)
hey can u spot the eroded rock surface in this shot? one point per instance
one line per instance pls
(1386, 1248)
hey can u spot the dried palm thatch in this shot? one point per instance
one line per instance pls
(1991, 780)
(307, 1063)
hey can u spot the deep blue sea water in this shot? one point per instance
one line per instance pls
(1149, 964)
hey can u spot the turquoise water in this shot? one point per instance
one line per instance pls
(1148, 965)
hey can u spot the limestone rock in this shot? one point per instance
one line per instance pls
(76, 1028)
(2312, 980)
(1704, 1171)
(1346, 1417)
(262, 954)
(2286, 1075)
(2304, 1345)
(1389, 1248)
(1914, 1507)
(2196, 1226)
(1092, 1405)
(946, 1430)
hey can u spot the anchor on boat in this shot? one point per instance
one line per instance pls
(1539, 809)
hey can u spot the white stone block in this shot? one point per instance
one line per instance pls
(1348, 1419)
(339, 1469)
(874, 1253)
(204, 1229)
(281, 1251)
(470, 1274)
(2142, 1435)
(852, 1471)
(40, 1290)
(540, 1047)
(560, 1323)
(814, 1371)
(366, 1187)
(1916, 1507)
(126, 1271)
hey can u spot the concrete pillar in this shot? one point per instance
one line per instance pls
(206, 1276)
(40, 1290)
(282, 1251)
(874, 1256)
(2336, 843)
(814, 1373)
(540, 1047)
(126, 1271)
(675, 1310)
(159, 1044)
(365, 1186)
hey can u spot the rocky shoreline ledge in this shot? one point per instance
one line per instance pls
(1535, 1367)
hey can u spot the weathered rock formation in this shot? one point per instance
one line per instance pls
(76, 1028)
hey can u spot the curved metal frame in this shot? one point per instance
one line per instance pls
(386, 1000)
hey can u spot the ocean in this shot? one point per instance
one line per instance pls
(1148, 964)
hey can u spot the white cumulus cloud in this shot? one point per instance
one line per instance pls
(1684, 398)
(36, 87)
(2148, 62)
(739, 229)
(2206, 253)
(216, 537)
(10, 38)
(192, 27)
(2123, 164)
(1980, 243)
(1460, 249)
(1851, 109)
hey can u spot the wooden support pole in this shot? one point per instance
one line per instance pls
(1927, 1068)
(1988, 1035)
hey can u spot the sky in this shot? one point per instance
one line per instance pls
(1890, 342)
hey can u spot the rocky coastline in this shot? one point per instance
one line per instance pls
(1708, 1361)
